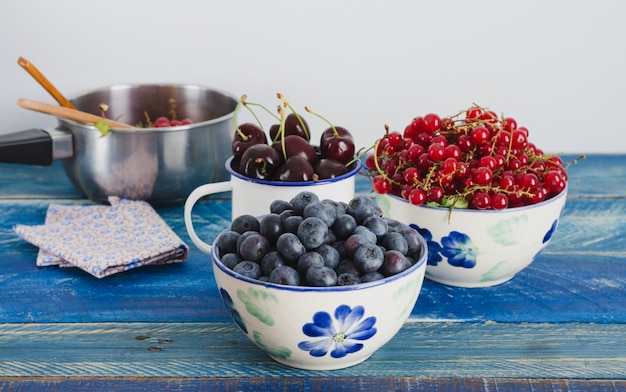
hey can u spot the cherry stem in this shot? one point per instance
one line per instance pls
(246, 104)
(281, 131)
(242, 135)
(323, 118)
(288, 105)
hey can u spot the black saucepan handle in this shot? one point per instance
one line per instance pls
(35, 146)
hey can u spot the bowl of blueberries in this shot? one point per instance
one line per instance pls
(319, 284)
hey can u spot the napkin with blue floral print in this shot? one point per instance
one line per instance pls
(103, 240)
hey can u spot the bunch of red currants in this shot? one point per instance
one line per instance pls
(474, 159)
(288, 155)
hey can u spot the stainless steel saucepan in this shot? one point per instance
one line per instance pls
(159, 165)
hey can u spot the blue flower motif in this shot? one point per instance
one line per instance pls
(234, 314)
(433, 247)
(459, 250)
(548, 235)
(342, 335)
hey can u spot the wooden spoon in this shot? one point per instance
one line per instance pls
(44, 82)
(71, 114)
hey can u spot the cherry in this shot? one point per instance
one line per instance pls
(330, 133)
(294, 125)
(292, 145)
(295, 169)
(339, 148)
(329, 168)
(259, 161)
(247, 135)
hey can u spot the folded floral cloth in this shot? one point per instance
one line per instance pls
(104, 240)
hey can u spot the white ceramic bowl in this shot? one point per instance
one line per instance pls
(320, 328)
(478, 248)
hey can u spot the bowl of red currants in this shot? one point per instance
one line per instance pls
(318, 284)
(486, 199)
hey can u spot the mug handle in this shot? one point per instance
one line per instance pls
(192, 199)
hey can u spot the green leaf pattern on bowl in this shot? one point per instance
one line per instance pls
(504, 232)
(259, 304)
(273, 350)
(399, 297)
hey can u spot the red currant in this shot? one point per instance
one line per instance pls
(381, 184)
(417, 196)
(436, 152)
(479, 135)
(432, 122)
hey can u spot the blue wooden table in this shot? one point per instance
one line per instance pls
(560, 325)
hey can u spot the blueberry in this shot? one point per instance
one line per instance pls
(394, 263)
(412, 238)
(319, 209)
(340, 246)
(312, 232)
(301, 200)
(340, 207)
(227, 242)
(278, 206)
(362, 207)
(271, 227)
(395, 241)
(371, 236)
(254, 247)
(290, 247)
(242, 237)
(292, 223)
(284, 274)
(347, 279)
(368, 258)
(330, 255)
(244, 223)
(343, 226)
(372, 277)
(356, 240)
(248, 269)
(271, 260)
(321, 276)
(230, 260)
(309, 259)
(376, 225)
(347, 265)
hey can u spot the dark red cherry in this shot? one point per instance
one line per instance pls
(259, 161)
(295, 145)
(329, 168)
(248, 135)
(339, 148)
(329, 132)
(292, 127)
(295, 169)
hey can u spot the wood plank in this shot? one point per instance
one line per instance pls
(440, 350)
(326, 384)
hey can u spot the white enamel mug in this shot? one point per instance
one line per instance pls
(253, 197)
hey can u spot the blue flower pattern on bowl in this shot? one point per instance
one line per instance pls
(434, 248)
(234, 313)
(459, 250)
(341, 335)
(548, 235)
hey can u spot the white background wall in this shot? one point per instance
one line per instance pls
(558, 67)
